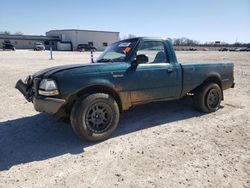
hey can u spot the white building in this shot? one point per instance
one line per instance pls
(28, 41)
(98, 39)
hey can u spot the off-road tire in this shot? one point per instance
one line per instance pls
(82, 118)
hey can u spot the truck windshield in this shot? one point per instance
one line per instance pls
(118, 52)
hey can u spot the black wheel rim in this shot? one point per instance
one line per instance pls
(98, 117)
(213, 98)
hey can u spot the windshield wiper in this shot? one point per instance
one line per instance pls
(105, 60)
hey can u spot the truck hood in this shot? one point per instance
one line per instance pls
(49, 71)
(82, 69)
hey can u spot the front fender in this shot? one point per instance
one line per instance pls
(101, 82)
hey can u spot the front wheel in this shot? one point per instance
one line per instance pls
(208, 98)
(95, 117)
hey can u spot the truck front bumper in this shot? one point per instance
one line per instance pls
(48, 104)
(42, 104)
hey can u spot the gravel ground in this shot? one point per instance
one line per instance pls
(166, 144)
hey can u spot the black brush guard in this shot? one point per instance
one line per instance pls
(28, 90)
(24, 89)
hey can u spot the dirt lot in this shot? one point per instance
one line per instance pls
(165, 144)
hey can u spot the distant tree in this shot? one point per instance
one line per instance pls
(176, 42)
(18, 33)
(5, 32)
(237, 44)
(224, 44)
(208, 44)
(185, 42)
(129, 36)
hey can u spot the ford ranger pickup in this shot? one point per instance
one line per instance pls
(128, 73)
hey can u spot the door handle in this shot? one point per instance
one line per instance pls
(170, 70)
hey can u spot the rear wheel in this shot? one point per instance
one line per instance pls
(95, 117)
(208, 97)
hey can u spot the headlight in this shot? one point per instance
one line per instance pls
(48, 87)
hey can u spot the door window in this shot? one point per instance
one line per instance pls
(154, 50)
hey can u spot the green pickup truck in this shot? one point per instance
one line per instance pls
(128, 73)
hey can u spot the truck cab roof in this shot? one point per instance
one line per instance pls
(148, 38)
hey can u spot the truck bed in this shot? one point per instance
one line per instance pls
(195, 73)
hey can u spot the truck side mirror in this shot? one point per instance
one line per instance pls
(140, 59)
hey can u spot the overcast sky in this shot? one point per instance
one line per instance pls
(203, 20)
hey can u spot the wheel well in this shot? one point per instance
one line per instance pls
(213, 79)
(91, 90)
(210, 79)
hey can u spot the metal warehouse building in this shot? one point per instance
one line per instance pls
(28, 41)
(67, 39)
(98, 39)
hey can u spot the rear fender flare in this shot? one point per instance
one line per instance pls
(212, 77)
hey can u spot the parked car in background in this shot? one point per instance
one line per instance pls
(8, 46)
(223, 49)
(192, 49)
(232, 49)
(243, 49)
(38, 46)
(85, 47)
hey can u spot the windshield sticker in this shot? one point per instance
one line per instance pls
(124, 44)
(127, 50)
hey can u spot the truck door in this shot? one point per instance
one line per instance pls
(157, 79)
